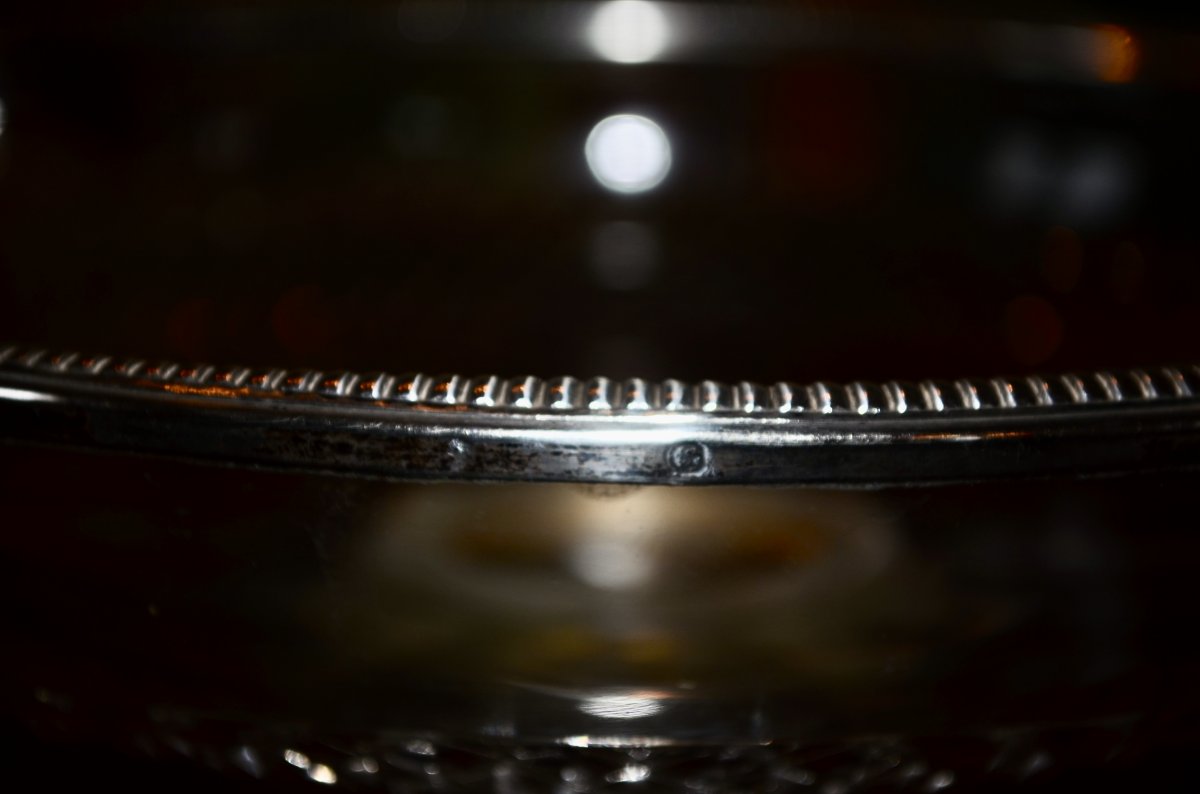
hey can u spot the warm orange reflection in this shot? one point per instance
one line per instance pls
(205, 391)
(1117, 54)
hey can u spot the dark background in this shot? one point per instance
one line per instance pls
(863, 192)
(859, 190)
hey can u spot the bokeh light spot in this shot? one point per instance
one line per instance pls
(628, 153)
(628, 31)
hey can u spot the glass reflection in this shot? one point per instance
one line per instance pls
(629, 773)
(321, 773)
(247, 760)
(624, 706)
(296, 758)
(364, 766)
(628, 153)
(704, 550)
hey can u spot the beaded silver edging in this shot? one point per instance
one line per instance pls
(606, 395)
(413, 425)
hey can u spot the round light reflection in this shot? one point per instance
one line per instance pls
(628, 153)
(628, 31)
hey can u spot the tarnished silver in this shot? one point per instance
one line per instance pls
(417, 426)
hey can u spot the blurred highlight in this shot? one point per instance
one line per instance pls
(629, 31)
(1117, 54)
(628, 153)
(27, 396)
(624, 706)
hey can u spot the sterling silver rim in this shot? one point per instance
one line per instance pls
(415, 426)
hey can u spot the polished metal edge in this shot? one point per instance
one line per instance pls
(449, 427)
(600, 395)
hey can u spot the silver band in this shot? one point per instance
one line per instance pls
(601, 430)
